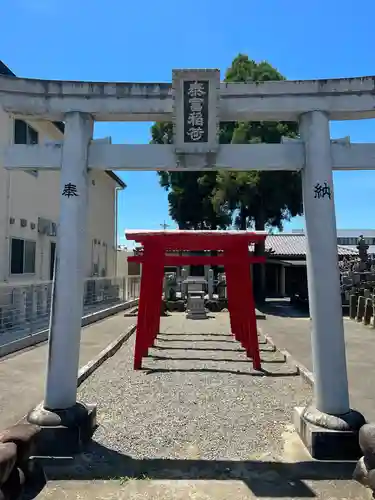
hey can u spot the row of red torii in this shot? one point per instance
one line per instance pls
(236, 260)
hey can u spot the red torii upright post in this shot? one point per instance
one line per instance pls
(236, 260)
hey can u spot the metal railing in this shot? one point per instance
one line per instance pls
(25, 309)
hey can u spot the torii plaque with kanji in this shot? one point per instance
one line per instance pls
(196, 111)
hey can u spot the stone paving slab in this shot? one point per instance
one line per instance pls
(197, 423)
(290, 330)
(22, 375)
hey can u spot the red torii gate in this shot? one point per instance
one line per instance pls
(236, 260)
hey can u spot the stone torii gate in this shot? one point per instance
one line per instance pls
(196, 102)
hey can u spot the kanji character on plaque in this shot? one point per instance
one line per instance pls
(196, 104)
(195, 133)
(195, 119)
(196, 89)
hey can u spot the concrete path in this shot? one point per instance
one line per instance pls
(290, 330)
(22, 375)
(197, 423)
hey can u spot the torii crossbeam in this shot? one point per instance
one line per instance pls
(236, 260)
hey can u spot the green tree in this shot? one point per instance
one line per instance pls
(190, 194)
(258, 199)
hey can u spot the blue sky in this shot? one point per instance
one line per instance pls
(120, 40)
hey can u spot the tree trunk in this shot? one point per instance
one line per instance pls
(259, 274)
(243, 219)
(214, 253)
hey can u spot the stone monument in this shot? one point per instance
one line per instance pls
(184, 276)
(362, 249)
(170, 286)
(210, 284)
(195, 302)
(222, 287)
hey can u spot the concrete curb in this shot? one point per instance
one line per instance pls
(42, 336)
(90, 367)
(260, 315)
(303, 371)
(111, 349)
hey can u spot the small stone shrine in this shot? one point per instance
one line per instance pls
(196, 287)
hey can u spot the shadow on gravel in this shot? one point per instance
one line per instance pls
(197, 335)
(261, 373)
(217, 339)
(263, 478)
(167, 348)
(218, 360)
(284, 309)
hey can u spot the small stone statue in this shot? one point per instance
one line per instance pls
(222, 286)
(362, 248)
(170, 286)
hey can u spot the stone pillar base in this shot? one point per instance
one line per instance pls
(329, 437)
(63, 432)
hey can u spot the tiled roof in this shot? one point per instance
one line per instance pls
(295, 245)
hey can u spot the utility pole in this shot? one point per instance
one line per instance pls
(164, 225)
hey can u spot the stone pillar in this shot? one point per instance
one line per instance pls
(282, 281)
(331, 410)
(368, 312)
(206, 272)
(185, 275)
(361, 308)
(67, 302)
(210, 281)
(353, 301)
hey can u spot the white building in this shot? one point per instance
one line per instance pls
(29, 210)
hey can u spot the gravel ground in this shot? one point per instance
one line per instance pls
(198, 394)
(198, 410)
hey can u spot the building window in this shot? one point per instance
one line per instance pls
(24, 134)
(22, 256)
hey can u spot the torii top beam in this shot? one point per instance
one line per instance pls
(284, 100)
(342, 99)
(196, 240)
